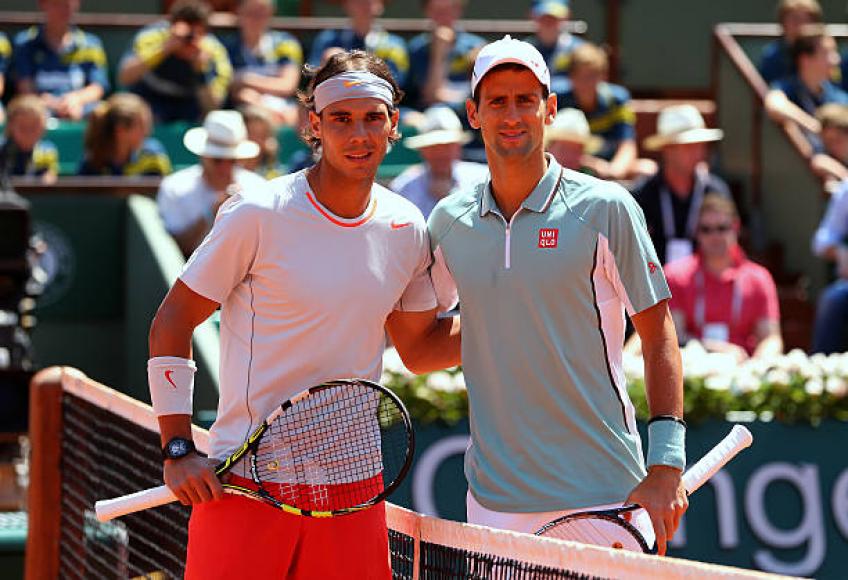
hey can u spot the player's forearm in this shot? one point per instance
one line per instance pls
(89, 93)
(132, 70)
(171, 426)
(441, 348)
(623, 159)
(663, 371)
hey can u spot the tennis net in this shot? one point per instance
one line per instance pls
(91, 442)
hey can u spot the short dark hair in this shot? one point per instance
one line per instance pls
(190, 11)
(354, 60)
(808, 42)
(833, 115)
(513, 66)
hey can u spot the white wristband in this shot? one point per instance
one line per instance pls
(171, 380)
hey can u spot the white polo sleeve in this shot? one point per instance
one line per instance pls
(228, 252)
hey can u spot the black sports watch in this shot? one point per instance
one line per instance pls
(177, 448)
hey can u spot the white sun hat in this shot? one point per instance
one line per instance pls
(440, 126)
(510, 50)
(680, 124)
(571, 125)
(222, 136)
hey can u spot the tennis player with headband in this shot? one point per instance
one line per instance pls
(545, 261)
(310, 274)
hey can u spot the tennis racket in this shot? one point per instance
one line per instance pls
(333, 449)
(613, 528)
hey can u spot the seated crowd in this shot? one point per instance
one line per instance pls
(243, 87)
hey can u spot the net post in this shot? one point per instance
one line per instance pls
(44, 498)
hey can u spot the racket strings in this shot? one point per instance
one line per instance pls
(333, 449)
(610, 532)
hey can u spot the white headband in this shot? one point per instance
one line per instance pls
(353, 85)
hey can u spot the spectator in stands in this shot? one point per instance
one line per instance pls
(24, 151)
(363, 35)
(552, 41)
(831, 243)
(441, 60)
(672, 198)
(832, 164)
(117, 140)
(607, 107)
(796, 97)
(569, 140)
(177, 66)
(442, 173)
(60, 63)
(262, 130)
(5, 56)
(266, 63)
(718, 295)
(776, 61)
(189, 199)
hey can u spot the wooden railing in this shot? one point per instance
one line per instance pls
(293, 24)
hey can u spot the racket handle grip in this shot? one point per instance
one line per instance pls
(738, 439)
(107, 509)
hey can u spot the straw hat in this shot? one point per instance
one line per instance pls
(681, 124)
(571, 125)
(222, 136)
(440, 126)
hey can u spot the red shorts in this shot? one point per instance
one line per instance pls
(238, 537)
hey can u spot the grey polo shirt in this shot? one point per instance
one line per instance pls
(543, 300)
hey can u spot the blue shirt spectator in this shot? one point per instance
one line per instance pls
(150, 159)
(30, 154)
(612, 119)
(441, 60)
(389, 47)
(797, 92)
(555, 44)
(41, 159)
(180, 69)
(459, 61)
(266, 62)
(776, 59)
(275, 50)
(41, 68)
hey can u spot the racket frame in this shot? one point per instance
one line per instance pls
(153, 497)
(738, 439)
(254, 439)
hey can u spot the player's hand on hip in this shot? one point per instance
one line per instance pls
(663, 496)
(192, 479)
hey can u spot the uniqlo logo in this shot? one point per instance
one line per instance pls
(548, 237)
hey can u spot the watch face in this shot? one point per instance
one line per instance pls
(177, 448)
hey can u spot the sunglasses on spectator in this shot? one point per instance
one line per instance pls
(717, 229)
(220, 160)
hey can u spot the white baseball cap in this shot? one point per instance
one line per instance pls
(510, 50)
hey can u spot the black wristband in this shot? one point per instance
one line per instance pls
(667, 418)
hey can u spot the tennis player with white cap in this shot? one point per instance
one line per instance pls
(310, 273)
(545, 262)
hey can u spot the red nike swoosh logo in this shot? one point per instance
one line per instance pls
(169, 379)
(397, 226)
